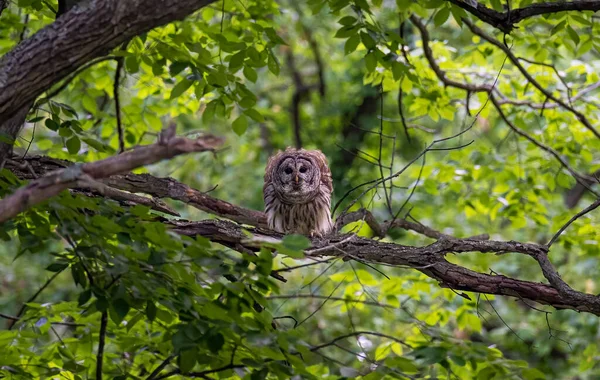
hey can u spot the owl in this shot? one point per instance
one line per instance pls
(297, 192)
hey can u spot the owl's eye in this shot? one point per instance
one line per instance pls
(288, 170)
(302, 169)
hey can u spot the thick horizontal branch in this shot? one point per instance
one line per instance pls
(429, 260)
(50, 185)
(506, 21)
(89, 30)
(27, 168)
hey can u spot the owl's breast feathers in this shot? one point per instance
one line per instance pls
(309, 218)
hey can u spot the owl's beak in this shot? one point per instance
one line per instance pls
(296, 178)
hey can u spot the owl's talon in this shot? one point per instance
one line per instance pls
(316, 234)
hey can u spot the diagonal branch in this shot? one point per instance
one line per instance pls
(506, 21)
(441, 74)
(515, 61)
(580, 178)
(41, 189)
(581, 213)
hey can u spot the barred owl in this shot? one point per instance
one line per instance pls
(297, 192)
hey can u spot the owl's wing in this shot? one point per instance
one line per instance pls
(324, 168)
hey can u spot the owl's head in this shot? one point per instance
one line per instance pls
(296, 174)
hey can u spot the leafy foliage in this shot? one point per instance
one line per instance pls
(183, 307)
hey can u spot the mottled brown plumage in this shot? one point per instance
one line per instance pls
(297, 192)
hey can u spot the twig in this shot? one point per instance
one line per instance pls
(118, 70)
(581, 179)
(316, 296)
(34, 296)
(101, 342)
(441, 74)
(160, 367)
(68, 81)
(581, 213)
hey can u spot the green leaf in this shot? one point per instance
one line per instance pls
(367, 40)
(441, 16)
(573, 34)
(150, 311)
(132, 64)
(215, 342)
(84, 297)
(51, 124)
(347, 31)
(398, 70)
(254, 115)
(371, 62)
(237, 60)
(533, 374)
(274, 37)
(296, 242)
(250, 74)
(247, 102)
(121, 308)
(180, 88)
(35, 119)
(273, 64)
(73, 145)
(57, 267)
(177, 67)
(98, 145)
(351, 44)
(347, 20)
(558, 27)
(240, 125)
(187, 360)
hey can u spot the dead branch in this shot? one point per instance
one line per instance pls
(50, 185)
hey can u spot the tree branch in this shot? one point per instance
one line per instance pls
(41, 189)
(429, 260)
(581, 179)
(506, 21)
(441, 74)
(581, 213)
(515, 61)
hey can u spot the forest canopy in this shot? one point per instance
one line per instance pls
(461, 137)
